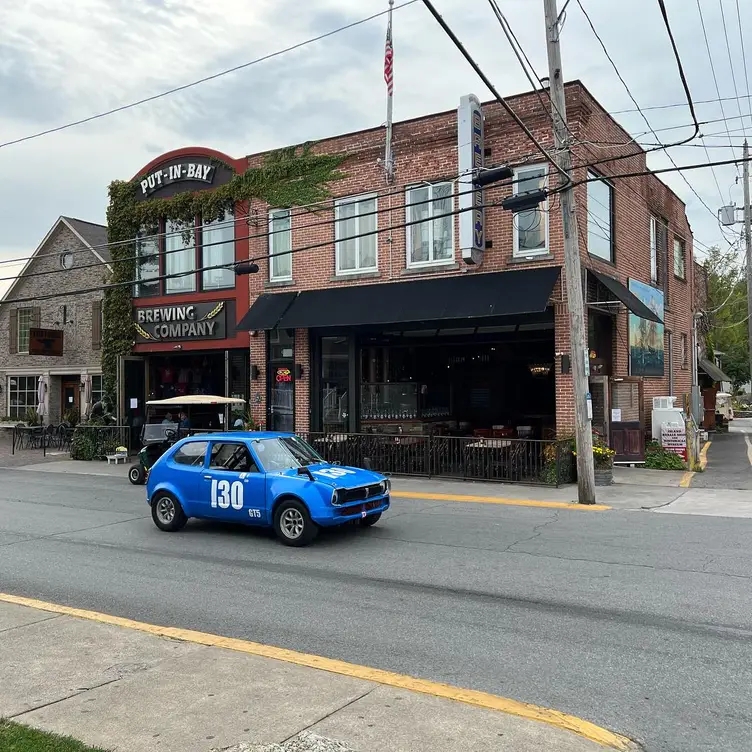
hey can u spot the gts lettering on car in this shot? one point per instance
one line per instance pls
(333, 472)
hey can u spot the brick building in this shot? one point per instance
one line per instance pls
(366, 317)
(72, 257)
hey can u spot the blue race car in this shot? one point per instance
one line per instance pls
(267, 479)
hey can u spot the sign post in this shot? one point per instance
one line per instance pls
(470, 148)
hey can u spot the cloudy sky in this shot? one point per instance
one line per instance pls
(60, 62)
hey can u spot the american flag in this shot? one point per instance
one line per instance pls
(388, 61)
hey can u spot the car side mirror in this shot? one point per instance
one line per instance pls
(304, 470)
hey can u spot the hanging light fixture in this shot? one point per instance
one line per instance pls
(540, 369)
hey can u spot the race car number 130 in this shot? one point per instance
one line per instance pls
(225, 494)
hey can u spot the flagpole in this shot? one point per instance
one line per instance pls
(388, 56)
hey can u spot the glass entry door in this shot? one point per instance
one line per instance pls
(281, 379)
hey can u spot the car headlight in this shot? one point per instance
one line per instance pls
(384, 486)
(335, 497)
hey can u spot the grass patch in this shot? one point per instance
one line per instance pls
(16, 738)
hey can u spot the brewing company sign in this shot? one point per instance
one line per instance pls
(181, 322)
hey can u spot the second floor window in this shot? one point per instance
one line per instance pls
(658, 249)
(280, 245)
(680, 259)
(218, 253)
(431, 240)
(176, 250)
(25, 324)
(600, 234)
(531, 225)
(354, 217)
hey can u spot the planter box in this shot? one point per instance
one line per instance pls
(604, 476)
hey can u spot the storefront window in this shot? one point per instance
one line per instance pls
(180, 257)
(335, 378)
(147, 261)
(218, 240)
(22, 393)
(281, 349)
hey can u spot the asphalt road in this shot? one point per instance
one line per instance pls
(637, 621)
(729, 459)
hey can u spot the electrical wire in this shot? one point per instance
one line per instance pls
(712, 67)
(205, 79)
(453, 37)
(744, 58)
(328, 243)
(677, 104)
(731, 62)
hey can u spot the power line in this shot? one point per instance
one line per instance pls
(674, 105)
(712, 67)
(448, 31)
(376, 232)
(744, 58)
(205, 79)
(731, 62)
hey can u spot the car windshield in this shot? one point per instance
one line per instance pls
(285, 453)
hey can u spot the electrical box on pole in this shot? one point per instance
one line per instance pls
(727, 215)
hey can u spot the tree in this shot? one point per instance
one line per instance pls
(726, 314)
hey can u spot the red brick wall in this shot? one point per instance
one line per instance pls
(426, 150)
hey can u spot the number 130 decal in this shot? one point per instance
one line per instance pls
(225, 494)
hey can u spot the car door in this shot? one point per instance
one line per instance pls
(186, 468)
(234, 488)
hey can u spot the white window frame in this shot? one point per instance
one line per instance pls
(594, 177)
(278, 277)
(409, 263)
(683, 245)
(542, 207)
(9, 392)
(26, 311)
(337, 239)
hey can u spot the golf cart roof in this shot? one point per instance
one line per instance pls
(196, 399)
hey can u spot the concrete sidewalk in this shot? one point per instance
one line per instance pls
(129, 690)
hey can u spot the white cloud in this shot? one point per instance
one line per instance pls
(63, 61)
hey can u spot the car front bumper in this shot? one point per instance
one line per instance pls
(337, 515)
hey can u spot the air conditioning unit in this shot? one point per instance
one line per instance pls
(664, 411)
(664, 403)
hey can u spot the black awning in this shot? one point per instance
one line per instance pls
(712, 370)
(459, 297)
(266, 311)
(630, 300)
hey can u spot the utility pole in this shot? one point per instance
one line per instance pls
(572, 270)
(748, 240)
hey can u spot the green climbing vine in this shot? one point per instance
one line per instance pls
(289, 177)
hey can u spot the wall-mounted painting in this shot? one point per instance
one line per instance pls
(646, 337)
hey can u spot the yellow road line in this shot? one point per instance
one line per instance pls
(564, 721)
(500, 500)
(704, 454)
(686, 480)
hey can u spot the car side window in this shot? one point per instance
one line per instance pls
(192, 453)
(233, 457)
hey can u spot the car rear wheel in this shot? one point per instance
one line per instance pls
(167, 513)
(372, 519)
(293, 525)
(137, 475)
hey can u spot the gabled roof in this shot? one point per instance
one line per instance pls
(93, 236)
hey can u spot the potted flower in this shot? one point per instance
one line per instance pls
(603, 459)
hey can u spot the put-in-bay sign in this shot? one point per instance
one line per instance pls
(181, 175)
(181, 322)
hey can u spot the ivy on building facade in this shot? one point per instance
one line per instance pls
(287, 178)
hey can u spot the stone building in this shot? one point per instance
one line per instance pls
(58, 291)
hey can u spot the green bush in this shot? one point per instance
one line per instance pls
(89, 443)
(657, 458)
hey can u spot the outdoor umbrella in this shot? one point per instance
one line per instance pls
(87, 395)
(41, 393)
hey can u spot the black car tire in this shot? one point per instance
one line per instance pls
(289, 517)
(137, 475)
(160, 506)
(370, 520)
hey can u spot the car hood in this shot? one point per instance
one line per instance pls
(339, 476)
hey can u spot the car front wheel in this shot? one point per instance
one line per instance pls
(293, 525)
(167, 513)
(370, 520)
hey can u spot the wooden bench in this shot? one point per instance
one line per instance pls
(116, 458)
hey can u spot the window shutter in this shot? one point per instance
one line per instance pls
(664, 260)
(13, 342)
(96, 325)
(36, 317)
